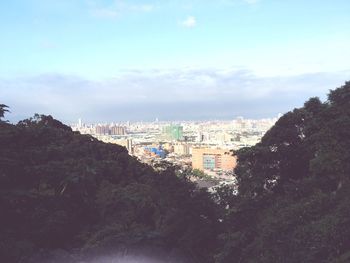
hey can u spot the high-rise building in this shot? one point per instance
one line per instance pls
(102, 129)
(117, 130)
(129, 146)
(182, 149)
(200, 136)
(210, 159)
(110, 130)
(173, 132)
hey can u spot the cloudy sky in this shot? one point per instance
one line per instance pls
(117, 60)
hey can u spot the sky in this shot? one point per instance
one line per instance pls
(118, 60)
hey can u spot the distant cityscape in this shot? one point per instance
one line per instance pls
(205, 146)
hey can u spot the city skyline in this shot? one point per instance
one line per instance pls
(184, 59)
(156, 120)
(204, 146)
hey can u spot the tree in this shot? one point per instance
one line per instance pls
(3, 109)
(293, 202)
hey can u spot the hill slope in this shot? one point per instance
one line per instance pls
(63, 190)
(294, 189)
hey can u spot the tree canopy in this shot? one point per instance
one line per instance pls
(63, 190)
(3, 109)
(293, 203)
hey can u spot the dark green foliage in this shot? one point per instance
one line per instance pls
(60, 189)
(3, 109)
(294, 188)
(199, 174)
(63, 190)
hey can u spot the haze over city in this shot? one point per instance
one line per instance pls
(172, 60)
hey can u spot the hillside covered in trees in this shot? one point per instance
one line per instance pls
(294, 189)
(62, 190)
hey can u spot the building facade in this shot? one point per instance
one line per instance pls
(182, 149)
(173, 132)
(210, 159)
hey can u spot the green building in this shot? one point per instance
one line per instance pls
(173, 132)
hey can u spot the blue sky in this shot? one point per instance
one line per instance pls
(119, 60)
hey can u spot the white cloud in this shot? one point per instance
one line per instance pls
(143, 94)
(189, 22)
